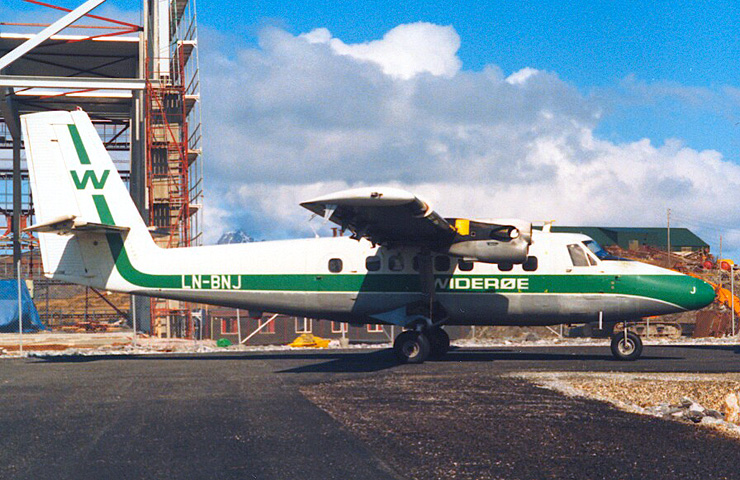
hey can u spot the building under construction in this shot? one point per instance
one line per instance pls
(140, 85)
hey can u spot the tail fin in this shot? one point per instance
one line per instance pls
(80, 200)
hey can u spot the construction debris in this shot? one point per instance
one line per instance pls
(308, 340)
(732, 408)
(686, 409)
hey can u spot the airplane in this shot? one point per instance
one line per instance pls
(403, 265)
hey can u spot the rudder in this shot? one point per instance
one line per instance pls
(79, 195)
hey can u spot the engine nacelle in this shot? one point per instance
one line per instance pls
(492, 251)
(498, 241)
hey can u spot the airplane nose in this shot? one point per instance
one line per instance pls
(684, 291)
(700, 295)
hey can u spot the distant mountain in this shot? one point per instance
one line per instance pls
(237, 236)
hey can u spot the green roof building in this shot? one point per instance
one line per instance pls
(629, 238)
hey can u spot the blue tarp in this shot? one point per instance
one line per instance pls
(9, 308)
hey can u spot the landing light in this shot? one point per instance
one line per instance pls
(514, 233)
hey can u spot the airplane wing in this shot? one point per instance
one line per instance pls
(385, 216)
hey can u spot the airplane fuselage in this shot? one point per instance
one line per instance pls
(349, 280)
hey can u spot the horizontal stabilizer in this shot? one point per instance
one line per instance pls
(68, 224)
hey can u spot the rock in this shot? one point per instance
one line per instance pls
(660, 410)
(531, 337)
(709, 412)
(686, 402)
(665, 410)
(732, 408)
(707, 420)
(695, 407)
(693, 415)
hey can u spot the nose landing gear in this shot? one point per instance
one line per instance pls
(626, 345)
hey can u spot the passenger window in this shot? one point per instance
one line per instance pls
(577, 256)
(335, 265)
(395, 263)
(464, 265)
(372, 264)
(530, 265)
(505, 266)
(441, 263)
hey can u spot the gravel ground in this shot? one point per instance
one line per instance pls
(492, 427)
(636, 392)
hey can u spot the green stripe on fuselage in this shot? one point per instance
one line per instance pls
(667, 288)
(120, 256)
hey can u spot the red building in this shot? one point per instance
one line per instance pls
(273, 329)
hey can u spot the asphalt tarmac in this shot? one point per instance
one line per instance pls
(344, 415)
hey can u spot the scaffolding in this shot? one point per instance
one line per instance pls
(174, 176)
(140, 86)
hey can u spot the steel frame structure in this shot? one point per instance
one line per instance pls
(108, 69)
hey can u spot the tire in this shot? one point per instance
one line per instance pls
(628, 350)
(439, 343)
(411, 347)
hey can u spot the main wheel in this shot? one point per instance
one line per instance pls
(439, 343)
(626, 347)
(411, 347)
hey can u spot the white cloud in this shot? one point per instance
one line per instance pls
(301, 116)
(215, 222)
(404, 51)
(521, 76)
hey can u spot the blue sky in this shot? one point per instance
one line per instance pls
(595, 45)
(657, 70)
(590, 43)
(606, 112)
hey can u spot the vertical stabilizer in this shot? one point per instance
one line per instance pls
(79, 196)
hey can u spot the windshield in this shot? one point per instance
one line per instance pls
(598, 251)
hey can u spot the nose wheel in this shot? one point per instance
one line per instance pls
(626, 346)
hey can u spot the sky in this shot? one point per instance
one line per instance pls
(600, 112)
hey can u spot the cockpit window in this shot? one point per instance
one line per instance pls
(598, 251)
(577, 256)
(591, 260)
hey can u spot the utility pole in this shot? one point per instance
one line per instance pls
(20, 310)
(17, 252)
(668, 232)
(720, 248)
(732, 290)
(719, 262)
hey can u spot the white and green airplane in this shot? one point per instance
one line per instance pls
(404, 264)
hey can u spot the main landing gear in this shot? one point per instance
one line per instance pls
(626, 345)
(415, 346)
